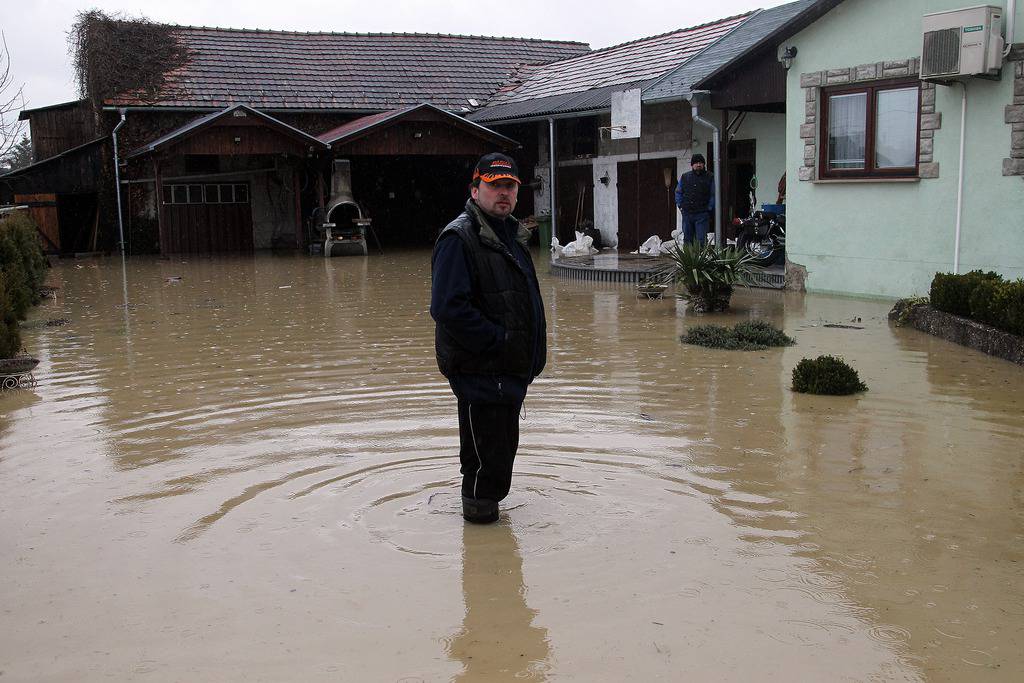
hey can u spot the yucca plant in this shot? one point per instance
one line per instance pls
(707, 273)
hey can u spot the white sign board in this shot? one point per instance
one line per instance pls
(626, 114)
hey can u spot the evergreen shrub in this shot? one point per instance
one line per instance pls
(826, 375)
(22, 263)
(10, 338)
(26, 238)
(952, 293)
(752, 335)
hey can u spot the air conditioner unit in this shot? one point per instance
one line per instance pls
(962, 43)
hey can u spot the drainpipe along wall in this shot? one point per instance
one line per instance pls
(960, 180)
(117, 182)
(1011, 21)
(551, 188)
(716, 146)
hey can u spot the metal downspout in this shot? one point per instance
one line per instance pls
(117, 181)
(960, 182)
(551, 189)
(1011, 21)
(695, 116)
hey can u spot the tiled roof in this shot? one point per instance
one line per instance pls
(797, 16)
(345, 71)
(749, 35)
(563, 84)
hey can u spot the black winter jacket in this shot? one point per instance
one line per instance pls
(696, 193)
(504, 292)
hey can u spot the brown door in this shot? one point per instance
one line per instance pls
(657, 204)
(43, 209)
(739, 171)
(207, 218)
(574, 200)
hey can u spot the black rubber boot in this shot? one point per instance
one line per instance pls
(479, 510)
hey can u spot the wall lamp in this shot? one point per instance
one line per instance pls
(605, 179)
(788, 55)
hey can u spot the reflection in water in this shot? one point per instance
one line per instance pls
(251, 471)
(498, 640)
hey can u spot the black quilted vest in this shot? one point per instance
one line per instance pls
(697, 191)
(502, 292)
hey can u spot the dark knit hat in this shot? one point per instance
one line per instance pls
(697, 159)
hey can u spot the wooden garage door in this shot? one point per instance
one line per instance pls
(207, 218)
(657, 201)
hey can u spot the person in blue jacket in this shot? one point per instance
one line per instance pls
(490, 332)
(695, 197)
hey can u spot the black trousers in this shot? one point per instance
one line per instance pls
(488, 440)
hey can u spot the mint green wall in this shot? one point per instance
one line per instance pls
(769, 130)
(889, 239)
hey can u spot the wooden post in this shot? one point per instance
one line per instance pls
(727, 205)
(160, 220)
(320, 189)
(298, 209)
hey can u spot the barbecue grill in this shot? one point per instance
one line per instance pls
(345, 226)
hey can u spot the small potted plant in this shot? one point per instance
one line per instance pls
(707, 273)
(651, 288)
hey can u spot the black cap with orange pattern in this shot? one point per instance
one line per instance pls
(496, 166)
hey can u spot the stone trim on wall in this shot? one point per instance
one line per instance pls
(930, 121)
(1014, 165)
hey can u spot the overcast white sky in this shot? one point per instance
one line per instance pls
(36, 32)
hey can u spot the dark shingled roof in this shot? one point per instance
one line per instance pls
(751, 34)
(280, 70)
(26, 114)
(587, 81)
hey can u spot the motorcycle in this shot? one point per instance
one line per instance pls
(762, 235)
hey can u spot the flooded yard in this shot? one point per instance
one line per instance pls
(246, 469)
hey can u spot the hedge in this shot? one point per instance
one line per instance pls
(952, 293)
(985, 297)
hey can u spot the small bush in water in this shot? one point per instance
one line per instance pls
(826, 375)
(753, 335)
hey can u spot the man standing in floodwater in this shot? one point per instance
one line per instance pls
(695, 197)
(490, 336)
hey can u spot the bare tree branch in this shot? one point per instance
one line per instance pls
(12, 101)
(117, 56)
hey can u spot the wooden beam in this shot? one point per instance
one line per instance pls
(160, 220)
(298, 207)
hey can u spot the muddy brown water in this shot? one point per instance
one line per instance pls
(244, 469)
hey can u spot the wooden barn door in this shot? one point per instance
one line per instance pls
(207, 218)
(657, 201)
(43, 209)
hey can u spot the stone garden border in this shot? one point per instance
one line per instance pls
(963, 331)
